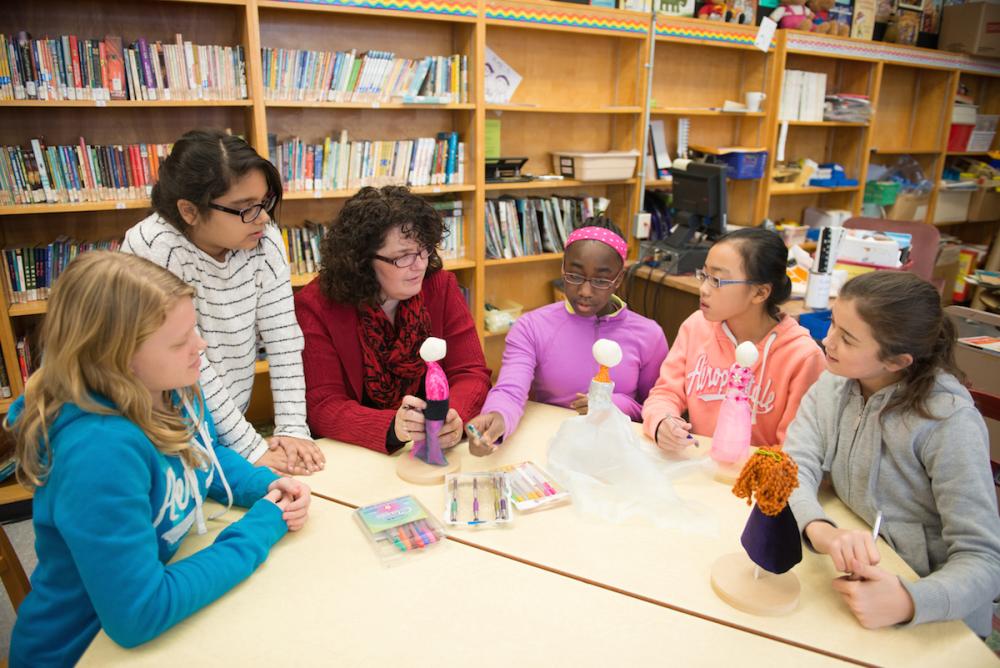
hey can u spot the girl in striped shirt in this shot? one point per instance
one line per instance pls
(211, 227)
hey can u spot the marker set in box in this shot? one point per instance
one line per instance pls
(399, 527)
(532, 488)
(477, 499)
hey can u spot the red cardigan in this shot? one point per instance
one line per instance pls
(332, 362)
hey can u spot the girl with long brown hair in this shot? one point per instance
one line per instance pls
(898, 434)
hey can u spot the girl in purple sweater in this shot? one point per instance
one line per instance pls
(548, 350)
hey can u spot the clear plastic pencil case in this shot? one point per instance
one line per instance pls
(531, 488)
(477, 500)
(399, 528)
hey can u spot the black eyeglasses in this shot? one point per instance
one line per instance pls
(404, 261)
(250, 213)
(596, 283)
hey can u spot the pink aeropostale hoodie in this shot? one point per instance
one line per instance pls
(693, 376)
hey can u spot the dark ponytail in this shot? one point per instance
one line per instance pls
(765, 259)
(905, 315)
(202, 166)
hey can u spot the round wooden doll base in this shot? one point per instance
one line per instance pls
(420, 472)
(768, 595)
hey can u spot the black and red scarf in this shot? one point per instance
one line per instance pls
(390, 353)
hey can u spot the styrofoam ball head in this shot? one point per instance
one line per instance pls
(746, 354)
(433, 349)
(607, 352)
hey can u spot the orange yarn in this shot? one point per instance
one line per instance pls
(603, 375)
(770, 475)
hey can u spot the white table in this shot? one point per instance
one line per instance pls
(323, 599)
(670, 567)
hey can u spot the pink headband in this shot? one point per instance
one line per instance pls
(604, 235)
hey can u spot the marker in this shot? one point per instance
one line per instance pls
(429, 532)
(415, 538)
(395, 540)
(403, 537)
(496, 497)
(475, 501)
(454, 499)
(475, 434)
(533, 492)
(539, 479)
(503, 497)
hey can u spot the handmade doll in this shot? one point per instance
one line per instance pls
(731, 440)
(437, 392)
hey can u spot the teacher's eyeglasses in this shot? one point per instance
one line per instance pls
(404, 261)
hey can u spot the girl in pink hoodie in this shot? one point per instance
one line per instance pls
(742, 285)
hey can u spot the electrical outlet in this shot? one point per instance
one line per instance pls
(643, 221)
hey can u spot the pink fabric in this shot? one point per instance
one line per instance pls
(435, 382)
(604, 235)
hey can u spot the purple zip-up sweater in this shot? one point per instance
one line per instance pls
(548, 354)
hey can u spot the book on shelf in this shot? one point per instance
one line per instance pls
(345, 164)
(5, 391)
(803, 95)
(369, 76)
(453, 217)
(37, 173)
(302, 247)
(516, 227)
(30, 271)
(25, 361)
(74, 68)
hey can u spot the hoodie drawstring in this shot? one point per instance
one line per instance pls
(205, 447)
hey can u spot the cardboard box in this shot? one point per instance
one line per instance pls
(971, 28)
(985, 205)
(910, 206)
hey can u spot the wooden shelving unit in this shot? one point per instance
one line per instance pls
(584, 88)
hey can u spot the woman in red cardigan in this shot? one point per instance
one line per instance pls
(379, 294)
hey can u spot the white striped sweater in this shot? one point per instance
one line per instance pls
(246, 296)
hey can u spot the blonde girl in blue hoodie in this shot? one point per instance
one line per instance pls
(113, 436)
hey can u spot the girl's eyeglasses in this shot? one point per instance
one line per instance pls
(596, 283)
(717, 282)
(404, 261)
(250, 213)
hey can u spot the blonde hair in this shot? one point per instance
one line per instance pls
(102, 308)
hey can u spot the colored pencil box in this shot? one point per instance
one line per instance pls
(398, 528)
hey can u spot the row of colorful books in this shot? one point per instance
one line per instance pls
(302, 244)
(346, 164)
(371, 76)
(83, 173)
(70, 68)
(29, 272)
(531, 225)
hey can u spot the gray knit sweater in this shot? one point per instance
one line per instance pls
(930, 478)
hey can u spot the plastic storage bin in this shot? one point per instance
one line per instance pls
(502, 316)
(595, 166)
(981, 137)
(882, 193)
(745, 165)
(963, 122)
(952, 206)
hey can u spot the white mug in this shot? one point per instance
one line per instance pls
(753, 100)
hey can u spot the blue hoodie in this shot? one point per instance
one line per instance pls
(111, 514)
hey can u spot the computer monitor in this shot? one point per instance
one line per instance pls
(699, 194)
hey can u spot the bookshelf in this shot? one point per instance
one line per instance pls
(584, 88)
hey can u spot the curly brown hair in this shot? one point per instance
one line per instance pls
(353, 239)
